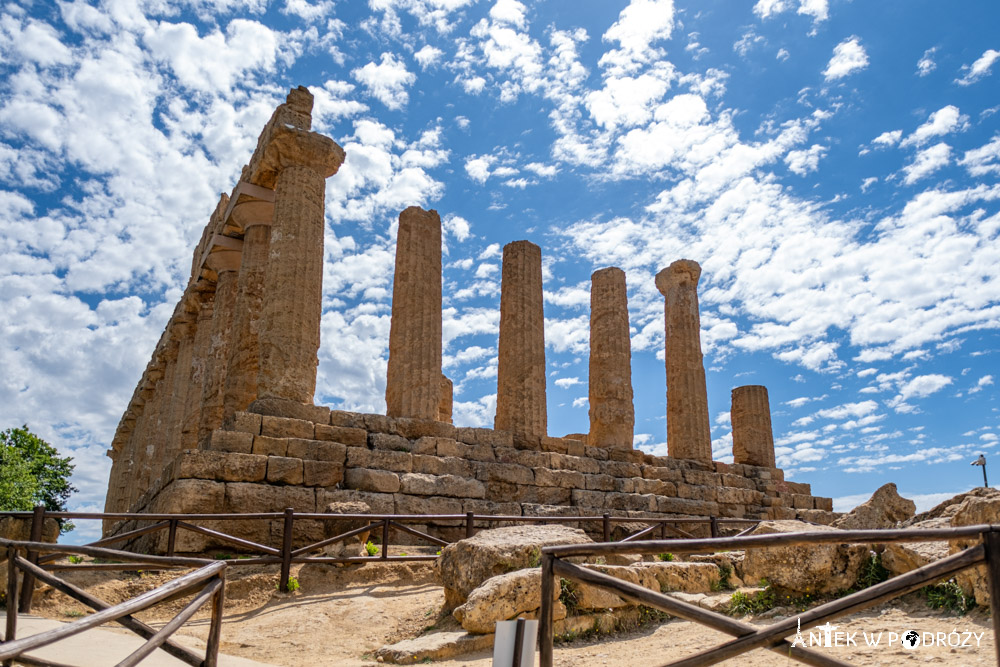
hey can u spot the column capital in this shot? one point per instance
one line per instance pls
(682, 272)
(224, 260)
(286, 146)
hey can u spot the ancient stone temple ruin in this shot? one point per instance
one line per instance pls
(223, 418)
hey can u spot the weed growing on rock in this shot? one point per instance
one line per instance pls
(666, 557)
(742, 603)
(371, 548)
(725, 571)
(948, 595)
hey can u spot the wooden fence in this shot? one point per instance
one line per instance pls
(207, 582)
(285, 555)
(771, 636)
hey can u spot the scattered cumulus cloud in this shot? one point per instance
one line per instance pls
(979, 69)
(386, 81)
(848, 57)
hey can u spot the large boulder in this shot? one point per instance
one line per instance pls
(466, 564)
(683, 576)
(885, 509)
(502, 597)
(14, 528)
(974, 510)
(947, 508)
(812, 568)
(352, 546)
(901, 557)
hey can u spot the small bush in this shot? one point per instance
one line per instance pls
(948, 595)
(371, 548)
(872, 572)
(569, 596)
(742, 603)
(292, 586)
(666, 557)
(76, 560)
(725, 571)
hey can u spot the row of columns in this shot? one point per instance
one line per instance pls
(259, 260)
(413, 390)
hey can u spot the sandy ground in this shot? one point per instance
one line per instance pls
(341, 617)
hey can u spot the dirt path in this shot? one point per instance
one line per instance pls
(342, 617)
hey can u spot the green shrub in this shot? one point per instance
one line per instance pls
(292, 586)
(666, 557)
(742, 603)
(948, 595)
(725, 571)
(371, 548)
(76, 560)
(569, 596)
(872, 572)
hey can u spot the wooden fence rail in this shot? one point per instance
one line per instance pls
(45, 554)
(207, 583)
(772, 636)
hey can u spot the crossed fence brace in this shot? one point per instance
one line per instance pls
(772, 636)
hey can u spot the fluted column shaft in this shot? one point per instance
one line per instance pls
(612, 414)
(227, 264)
(446, 402)
(689, 434)
(185, 334)
(753, 439)
(244, 351)
(521, 407)
(200, 355)
(413, 383)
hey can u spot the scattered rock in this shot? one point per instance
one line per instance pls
(503, 597)
(975, 509)
(885, 509)
(466, 564)
(813, 568)
(352, 546)
(947, 508)
(901, 557)
(435, 646)
(685, 577)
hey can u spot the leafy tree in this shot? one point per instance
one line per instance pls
(32, 472)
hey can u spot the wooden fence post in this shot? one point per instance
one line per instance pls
(172, 537)
(991, 540)
(10, 634)
(470, 528)
(714, 523)
(215, 628)
(607, 527)
(28, 582)
(385, 540)
(545, 628)
(286, 549)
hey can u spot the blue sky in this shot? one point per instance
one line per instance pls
(832, 165)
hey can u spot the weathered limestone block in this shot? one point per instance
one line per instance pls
(446, 400)
(413, 383)
(814, 568)
(407, 504)
(286, 427)
(901, 557)
(466, 564)
(577, 463)
(449, 447)
(500, 598)
(317, 450)
(753, 439)
(483, 436)
(521, 371)
(683, 576)
(243, 422)
(380, 503)
(973, 511)
(295, 163)
(395, 443)
(587, 498)
(379, 459)
(422, 484)
(363, 479)
(284, 470)
(687, 506)
(187, 496)
(347, 419)
(352, 546)
(219, 466)
(268, 446)
(620, 469)
(322, 473)
(631, 501)
(352, 437)
(612, 415)
(885, 509)
(231, 441)
(505, 472)
(688, 430)
(446, 465)
(280, 407)
(564, 478)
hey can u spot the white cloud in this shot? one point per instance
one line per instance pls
(926, 64)
(805, 161)
(978, 69)
(478, 167)
(856, 410)
(983, 160)
(982, 383)
(428, 56)
(457, 226)
(890, 138)
(566, 383)
(819, 10)
(387, 81)
(782, 55)
(943, 121)
(308, 11)
(924, 385)
(927, 162)
(639, 25)
(848, 57)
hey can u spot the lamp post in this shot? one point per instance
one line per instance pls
(981, 461)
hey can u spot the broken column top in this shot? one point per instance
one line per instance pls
(678, 273)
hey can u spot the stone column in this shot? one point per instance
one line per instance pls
(293, 284)
(413, 382)
(612, 415)
(183, 330)
(202, 349)
(753, 440)
(226, 263)
(244, 351)
(521, 406)
(689, 435)
(445, 404)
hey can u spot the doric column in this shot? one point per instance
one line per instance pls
(200, 354)
(183, 331)
(298, 163)
(226, 263)
(521, 368)
(753, 440)
(445, 404)
(612, 415)
(244, 351)
(159, 439)
(689, 435)
(413, 382)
